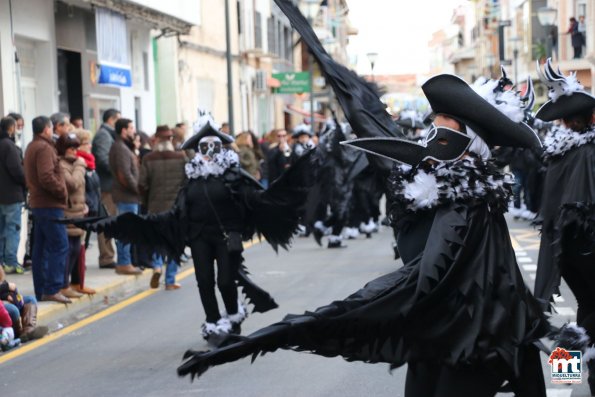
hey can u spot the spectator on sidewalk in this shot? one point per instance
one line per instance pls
(22, 311)
(576, 38)
(47, 199)
(12, 196)
(279, 155)
(77, 122)
(179, 135)
(74, 169)
(125, 171)
(92, 182)
(61, 123)
(161, 177)
(7, 339)
(102, 143)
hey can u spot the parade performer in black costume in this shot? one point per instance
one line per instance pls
(340, 166)
(568, 204)
(458, 312)
(220, 206)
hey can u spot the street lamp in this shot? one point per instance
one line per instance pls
(547, 19)
(515, 54)
(310, 9)
(372, 57)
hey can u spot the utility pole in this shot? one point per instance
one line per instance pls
(229, 71)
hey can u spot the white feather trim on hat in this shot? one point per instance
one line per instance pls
(507, 102)
(203, 119)
(557, 83)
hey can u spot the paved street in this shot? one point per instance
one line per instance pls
(135, 351)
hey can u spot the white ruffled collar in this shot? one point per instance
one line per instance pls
(429, 186)
(198, 167)
(561, 140)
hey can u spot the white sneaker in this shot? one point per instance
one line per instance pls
(208, 329)
(223, 326)
(301, 231)
(350, 233)
(528, 215)
(515, 212)
(366, 228)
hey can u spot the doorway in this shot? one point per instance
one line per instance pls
(70, 83)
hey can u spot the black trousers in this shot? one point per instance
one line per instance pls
(205, 251)
(72, 273)
(436, 380)
(579, 273)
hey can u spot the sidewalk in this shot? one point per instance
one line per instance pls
(106, 282)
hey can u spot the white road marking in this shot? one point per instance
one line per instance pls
(532, 276)
(524, 260)
(521, 253)
(529, 268)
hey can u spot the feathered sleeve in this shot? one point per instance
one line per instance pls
(274, 213)
(358, 98)
(164, 233)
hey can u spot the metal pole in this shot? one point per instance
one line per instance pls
(229, 72)
(311, 71)
(515, 54)
(548, 41)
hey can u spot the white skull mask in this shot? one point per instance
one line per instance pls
(209, 146)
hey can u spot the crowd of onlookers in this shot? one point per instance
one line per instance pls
(69, 172)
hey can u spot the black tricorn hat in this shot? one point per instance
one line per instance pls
(566, 106)
(568, 96)
(450, 95)
(208, 129)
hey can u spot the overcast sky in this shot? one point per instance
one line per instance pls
(398, 30)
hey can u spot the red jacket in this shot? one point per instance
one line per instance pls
(5, 321)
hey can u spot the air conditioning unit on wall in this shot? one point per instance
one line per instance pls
(260, 81)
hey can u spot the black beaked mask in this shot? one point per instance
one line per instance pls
(441, 144)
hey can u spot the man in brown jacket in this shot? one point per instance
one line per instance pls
(47, 199)
(125, 170)
(161, 177)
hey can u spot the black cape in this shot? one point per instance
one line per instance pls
(567, 211)
(461, 300)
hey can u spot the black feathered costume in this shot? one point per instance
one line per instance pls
(458, 311)
(219, 202)
(568, 206)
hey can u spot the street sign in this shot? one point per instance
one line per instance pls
(292, 82)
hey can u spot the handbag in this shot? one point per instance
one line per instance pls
(233, 240)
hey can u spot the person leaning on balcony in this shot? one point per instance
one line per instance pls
(576, 37)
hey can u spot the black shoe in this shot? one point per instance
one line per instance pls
(336, 244)
(108, 266)
(317, 233)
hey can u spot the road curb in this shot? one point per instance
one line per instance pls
(56, 311)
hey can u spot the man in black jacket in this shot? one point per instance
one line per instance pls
(102, 143)
(12, 180)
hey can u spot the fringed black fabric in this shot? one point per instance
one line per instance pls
(462, 301)
(275, 212)
(262, 300)
(567, 212)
